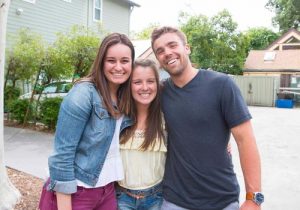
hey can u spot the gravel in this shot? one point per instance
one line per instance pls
(29, 186)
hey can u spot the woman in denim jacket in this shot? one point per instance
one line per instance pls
(86, 159)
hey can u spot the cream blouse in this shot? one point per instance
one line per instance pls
(142, 169)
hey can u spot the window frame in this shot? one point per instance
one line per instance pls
(30, 1)
(97, 8)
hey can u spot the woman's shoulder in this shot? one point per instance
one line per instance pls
(84, 84)
(83, 92)
(83, 88)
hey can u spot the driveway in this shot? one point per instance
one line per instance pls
(278, 137)
(277, 134)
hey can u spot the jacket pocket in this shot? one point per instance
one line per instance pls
(101, 118)
(101, 112)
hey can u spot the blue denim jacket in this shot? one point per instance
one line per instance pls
(83, 136)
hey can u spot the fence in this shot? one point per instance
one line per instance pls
(258, 90)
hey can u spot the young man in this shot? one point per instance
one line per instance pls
(201, 109)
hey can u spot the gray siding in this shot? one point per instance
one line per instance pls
(47, 17)
(116, 16)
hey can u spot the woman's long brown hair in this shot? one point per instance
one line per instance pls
(97, 76)
(154, 123)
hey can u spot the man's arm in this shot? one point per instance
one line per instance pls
(249, 159)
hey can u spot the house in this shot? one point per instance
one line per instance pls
(281, 59)
(49, 17)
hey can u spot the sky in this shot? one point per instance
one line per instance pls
(247, 13)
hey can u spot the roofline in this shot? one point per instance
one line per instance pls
(132, 3)
(275, 42)
(271, 70)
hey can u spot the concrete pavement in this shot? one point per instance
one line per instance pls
(278, 137)
(27, 150)
(277, 134)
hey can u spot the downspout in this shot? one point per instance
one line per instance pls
(129, 25)
(88, 14)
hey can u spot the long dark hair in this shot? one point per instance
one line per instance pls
(97, 76)
(154, 123)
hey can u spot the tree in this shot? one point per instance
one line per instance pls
(146, 32)
(287, 13)
(215, 42)
(9, 195)
(259, 38)
(27, 56)
(21, 65)
(200, 36)
(55, 66)
(78, 49)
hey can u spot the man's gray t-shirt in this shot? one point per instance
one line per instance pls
(199, 172)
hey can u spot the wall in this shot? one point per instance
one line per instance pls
(45, 18)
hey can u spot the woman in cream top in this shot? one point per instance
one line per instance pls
(142, 169)
(142, 146)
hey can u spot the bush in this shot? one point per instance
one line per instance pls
(49, 109)
(10, 94)
(18, 109)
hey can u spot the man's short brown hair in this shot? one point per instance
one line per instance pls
(158, 32)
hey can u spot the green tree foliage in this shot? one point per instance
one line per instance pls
(18, 109)
(30, 59)
(287, 13)
(25, 58)
(49, 109)
(215, 42)
(77, 49)
(55, 66)
(146, 32)
(259, 38)
(10, 93)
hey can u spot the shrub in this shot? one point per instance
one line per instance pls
(49, 109)
(10, 93)
(18, 109)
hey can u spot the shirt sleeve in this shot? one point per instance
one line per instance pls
(234, 107)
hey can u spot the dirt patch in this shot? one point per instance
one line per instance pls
(36, 127)
(29, 186)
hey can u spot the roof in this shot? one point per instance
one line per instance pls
(142, 47)
(144, 50)
(132, 3)
(286, 60)
(284, 39)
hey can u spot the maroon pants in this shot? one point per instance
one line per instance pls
(101, 198)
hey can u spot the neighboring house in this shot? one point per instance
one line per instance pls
(281, 58)
(47, 17)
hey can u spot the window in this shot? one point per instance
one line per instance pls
(97, 10)
(30, 1)
(269, 56)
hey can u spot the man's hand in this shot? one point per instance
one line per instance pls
(250, 205)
